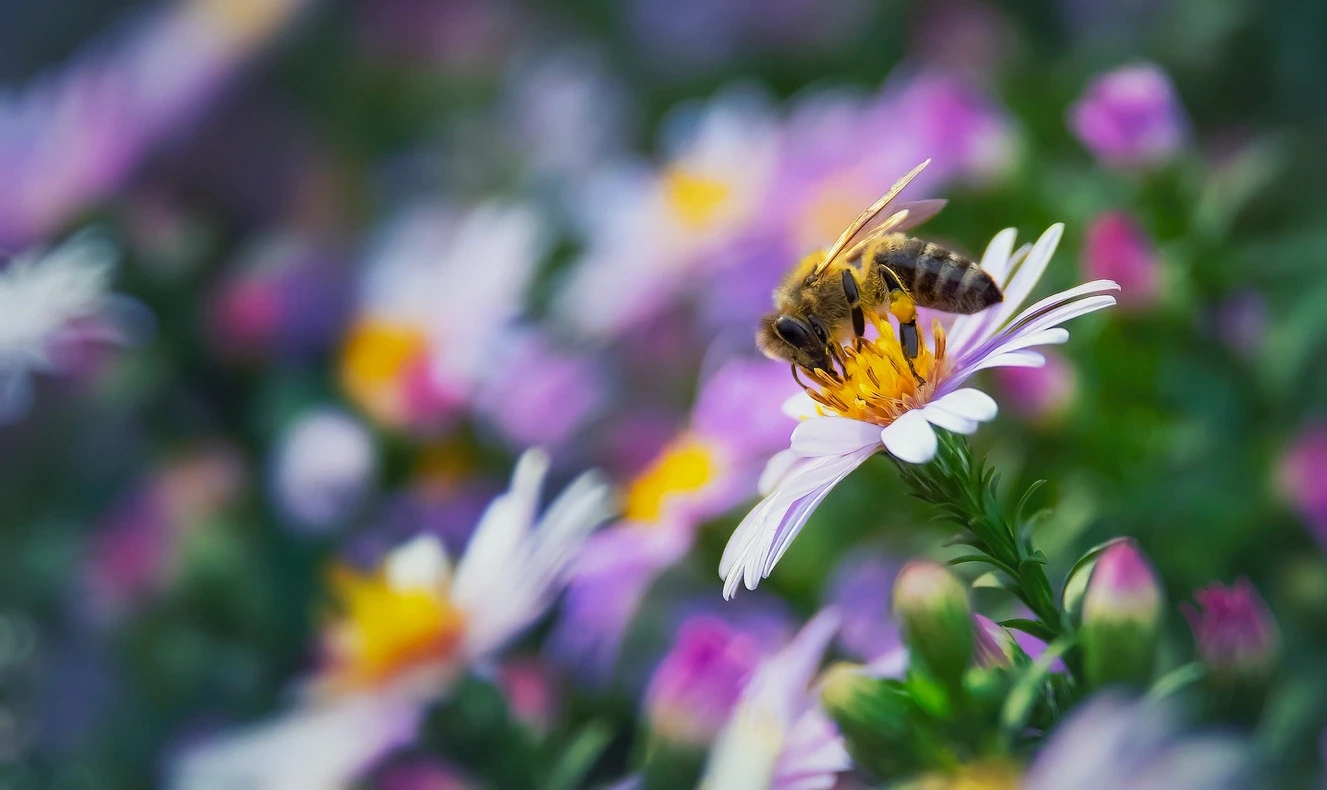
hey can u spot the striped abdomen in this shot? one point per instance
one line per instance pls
(936, 277)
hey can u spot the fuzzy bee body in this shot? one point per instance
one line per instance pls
(873, 267)
(935, 277)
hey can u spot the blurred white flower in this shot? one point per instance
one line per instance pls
(651, 230)
(404, 632)
(441, 288)
(51, 300)
(778, 737)
(322, 467)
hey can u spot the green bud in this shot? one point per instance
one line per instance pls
(932, 605)
(873, 716)
(1121, 618)
(1071, 599)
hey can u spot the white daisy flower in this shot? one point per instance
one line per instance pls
(404, 632)
(652, 231)
(878, 405)
(778, 737)
(50, 299)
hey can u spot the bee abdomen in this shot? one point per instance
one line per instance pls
(936, 277)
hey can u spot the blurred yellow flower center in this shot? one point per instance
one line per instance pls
(375, 355)
(245, 20)
(877, 386)
(382, 630)
(685, 466)
(696, 199)
(986, 775)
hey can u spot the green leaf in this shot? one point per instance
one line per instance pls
(580, 756)
(1176, 680)
(1022, 700)
(1032, 627)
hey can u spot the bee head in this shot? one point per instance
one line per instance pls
(801, 341)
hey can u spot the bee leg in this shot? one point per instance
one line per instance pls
(905, 310)
(855, 302)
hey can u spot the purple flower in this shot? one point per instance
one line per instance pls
(540, 395)
(1241, 323)
(778, 736)
(992, 645)
(1116, 248)
(1111, 741)
(1130, 117)
(1043, 393)
(1233, 631)
(71, 138)
(862, 589)
(420, 773)
(286, 295)
(695, 687)
(1302, 477)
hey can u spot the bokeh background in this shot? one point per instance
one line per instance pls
(329, 266)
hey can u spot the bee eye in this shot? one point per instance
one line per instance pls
(794, 332)
(822, 333)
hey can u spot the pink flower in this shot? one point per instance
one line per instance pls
(1130, 117)
(1118, 249)
(1232, 629)
(697, 685)
(1303, 477)
(1042, 393)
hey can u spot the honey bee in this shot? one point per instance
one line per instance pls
(872, 266)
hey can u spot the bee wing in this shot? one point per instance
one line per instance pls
(908, 216)
(865, 217)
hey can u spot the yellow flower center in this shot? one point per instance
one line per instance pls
(373, 362)
(876, 384)
(381, 630)
(685, 466)
(985, 775)
(697, 200)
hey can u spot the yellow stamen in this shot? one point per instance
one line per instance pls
(695, 198)
(877, 385)
(986, 775)
(373, 362)
(685, 466)
(382, 631)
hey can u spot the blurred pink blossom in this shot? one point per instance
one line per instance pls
(1117, 248)
(1302, 476)
(1042, 393)
(697, 684)
(1232, 629)
(1130, 117)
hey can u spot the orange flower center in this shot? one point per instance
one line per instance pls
(382, 630)
(876, 385)
(374, 362)
(685, 466)
(696, 199)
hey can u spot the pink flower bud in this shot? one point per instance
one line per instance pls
(1130, 117)
(1118, 249)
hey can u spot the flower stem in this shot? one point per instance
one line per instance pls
(966, 490)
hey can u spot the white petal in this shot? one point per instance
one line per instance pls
(969, 403)
(1027, 276)
(772, 523)
(948, 420)
(518, 593)
(833, 436)
(1021, 340)
(910, 438)
(995, 261)
(801, 407)
(327, 745)
(419, 564)
(775, 469)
